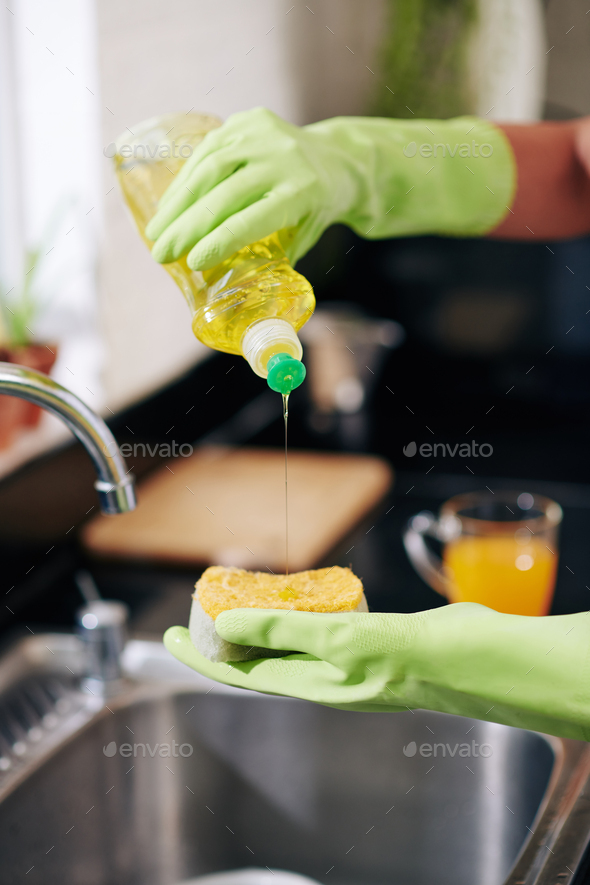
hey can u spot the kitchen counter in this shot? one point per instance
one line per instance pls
(161, 597)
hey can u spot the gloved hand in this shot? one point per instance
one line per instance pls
(464, 659)
(257, 174)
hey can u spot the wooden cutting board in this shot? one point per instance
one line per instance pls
(226, 506)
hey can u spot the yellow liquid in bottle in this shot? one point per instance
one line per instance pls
(253, 284)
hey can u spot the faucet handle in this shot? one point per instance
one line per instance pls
(102, 626)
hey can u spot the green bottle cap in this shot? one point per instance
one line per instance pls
(285, 373)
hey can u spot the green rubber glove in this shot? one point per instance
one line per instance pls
(257, 174)
(464, 659)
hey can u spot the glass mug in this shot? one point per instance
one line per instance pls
(499, 549)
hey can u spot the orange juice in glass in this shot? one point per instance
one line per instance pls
(500, 550)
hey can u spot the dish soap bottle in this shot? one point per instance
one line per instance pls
(253, 303)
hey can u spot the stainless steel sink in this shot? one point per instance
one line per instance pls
(179, 777)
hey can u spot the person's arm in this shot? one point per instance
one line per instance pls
(464, 659)
(258, 174)
(552, 199)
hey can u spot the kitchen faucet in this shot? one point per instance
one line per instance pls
(102, 623)
(114, 486)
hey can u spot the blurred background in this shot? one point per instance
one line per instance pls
(455, 340)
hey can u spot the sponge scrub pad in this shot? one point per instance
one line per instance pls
(327, 590)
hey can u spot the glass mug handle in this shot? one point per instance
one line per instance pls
(429, 566)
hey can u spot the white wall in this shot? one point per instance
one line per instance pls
(50, 126)
(157, 57)
(49, 131)
(568, 43)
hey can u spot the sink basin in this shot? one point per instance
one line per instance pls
(179, 777)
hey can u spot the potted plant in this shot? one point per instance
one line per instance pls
(20, 308)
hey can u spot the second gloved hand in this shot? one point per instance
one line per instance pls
(258, 174)
(464, 659)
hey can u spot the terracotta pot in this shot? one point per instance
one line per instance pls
(41, 358)
(17, 413)
(12, 414)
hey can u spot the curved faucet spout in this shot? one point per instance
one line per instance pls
(114, 485)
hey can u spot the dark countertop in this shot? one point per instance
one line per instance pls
(374, 550)
(160, 597)
(53, 494)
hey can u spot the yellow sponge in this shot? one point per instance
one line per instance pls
(320, 590)
(325, 590)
